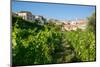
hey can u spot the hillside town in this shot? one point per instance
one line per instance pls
(71, 25)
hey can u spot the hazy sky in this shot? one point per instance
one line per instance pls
(56, 11)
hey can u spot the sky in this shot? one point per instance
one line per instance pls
(54, 11)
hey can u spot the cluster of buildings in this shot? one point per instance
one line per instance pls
(67, 25)
(26, 15)
(74, 25)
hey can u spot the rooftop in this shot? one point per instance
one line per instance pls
(25, 12)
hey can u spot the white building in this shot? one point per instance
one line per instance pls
(26, 15)
(41, 19)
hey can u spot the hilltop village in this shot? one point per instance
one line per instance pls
(71, 25)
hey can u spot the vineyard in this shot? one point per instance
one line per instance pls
(47, 44)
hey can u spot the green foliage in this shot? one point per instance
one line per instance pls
(44, 44)
(83, 43)
(92, 22)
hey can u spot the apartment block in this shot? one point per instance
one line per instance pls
(26, 15)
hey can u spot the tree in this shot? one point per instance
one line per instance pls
(92, 21)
